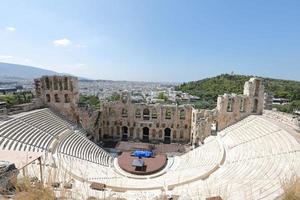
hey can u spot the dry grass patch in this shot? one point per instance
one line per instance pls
(291, 188)
(33, 190)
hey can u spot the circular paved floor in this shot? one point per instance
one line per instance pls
(153, 165)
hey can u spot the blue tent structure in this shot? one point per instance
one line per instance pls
(141, 154)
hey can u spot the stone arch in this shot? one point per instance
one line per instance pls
(56, 97)
(67, 98)
(138, 113)
(48, 97)
(146, 114)
(124, 112)
(154, 114)
(145, 134)
(168, 114)
(124, 133)
(242, 105)
(255, 106)
(66, 86)
(167, 136)
(153, 133)
(47, 83)
(182, 114)
(229, 104)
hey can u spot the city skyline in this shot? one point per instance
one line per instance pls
(161, 41)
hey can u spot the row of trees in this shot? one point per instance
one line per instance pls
(16, 98)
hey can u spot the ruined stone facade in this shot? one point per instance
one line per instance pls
(230, 109)
(59, 93)
(128, 120)
(125, 120)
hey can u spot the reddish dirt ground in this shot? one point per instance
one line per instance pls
(153, 165)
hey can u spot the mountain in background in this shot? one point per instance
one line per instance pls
(9, 70)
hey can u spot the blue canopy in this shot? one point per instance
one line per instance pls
(145, 154)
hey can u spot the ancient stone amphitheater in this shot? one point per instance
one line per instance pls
(248, 160)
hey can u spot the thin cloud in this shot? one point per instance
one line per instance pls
(5, 57)
(10, 29)
(64, 42)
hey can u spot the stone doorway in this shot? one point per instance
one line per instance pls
(124, 133)
(145, 134)
(167, 138)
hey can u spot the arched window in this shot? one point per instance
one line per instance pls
(47, 83)
(255, 106)
(146, 114)
(56, 97)
(181, 134)
(138, 113)
(124, 112)
(48, 98)
(67, 98)
(242, 105)
(60, 85)
(154, 114)
(182, 114)
(229, 104)
(160, 133)
(174, 134)
(153, 133)
(168, 113)
(55, 83)
(66, 86)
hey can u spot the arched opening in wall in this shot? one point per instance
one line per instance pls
(214, 127)
(167, 138)
(66, 87)
(154, 114)
(67, 98)
(229, 104)
(48, 98)
(257, 84)
(118, 130)
(174, 134)
(242, 105)
(153, 133)
(181, 134)
(145, 134)
(47, 83)
(168, 113)
(60, 85)
(138, 113)
(255, 105)
(131, 132)
(55, 83)
(182, 114)
(100, 134)
(160, 133)
(56, 97)
(146, 114)
(124, 133)
(124, 112)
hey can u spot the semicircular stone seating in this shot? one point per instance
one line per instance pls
(247, 160)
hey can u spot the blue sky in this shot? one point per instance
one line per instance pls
(153, 40)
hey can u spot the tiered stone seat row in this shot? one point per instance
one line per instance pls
(259, 156)
(79, 146)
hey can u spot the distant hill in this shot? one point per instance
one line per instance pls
(23, 71)
(208, 89)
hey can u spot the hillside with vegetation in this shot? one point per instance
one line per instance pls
(208, 90)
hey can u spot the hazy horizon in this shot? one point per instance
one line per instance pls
(153, 41)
